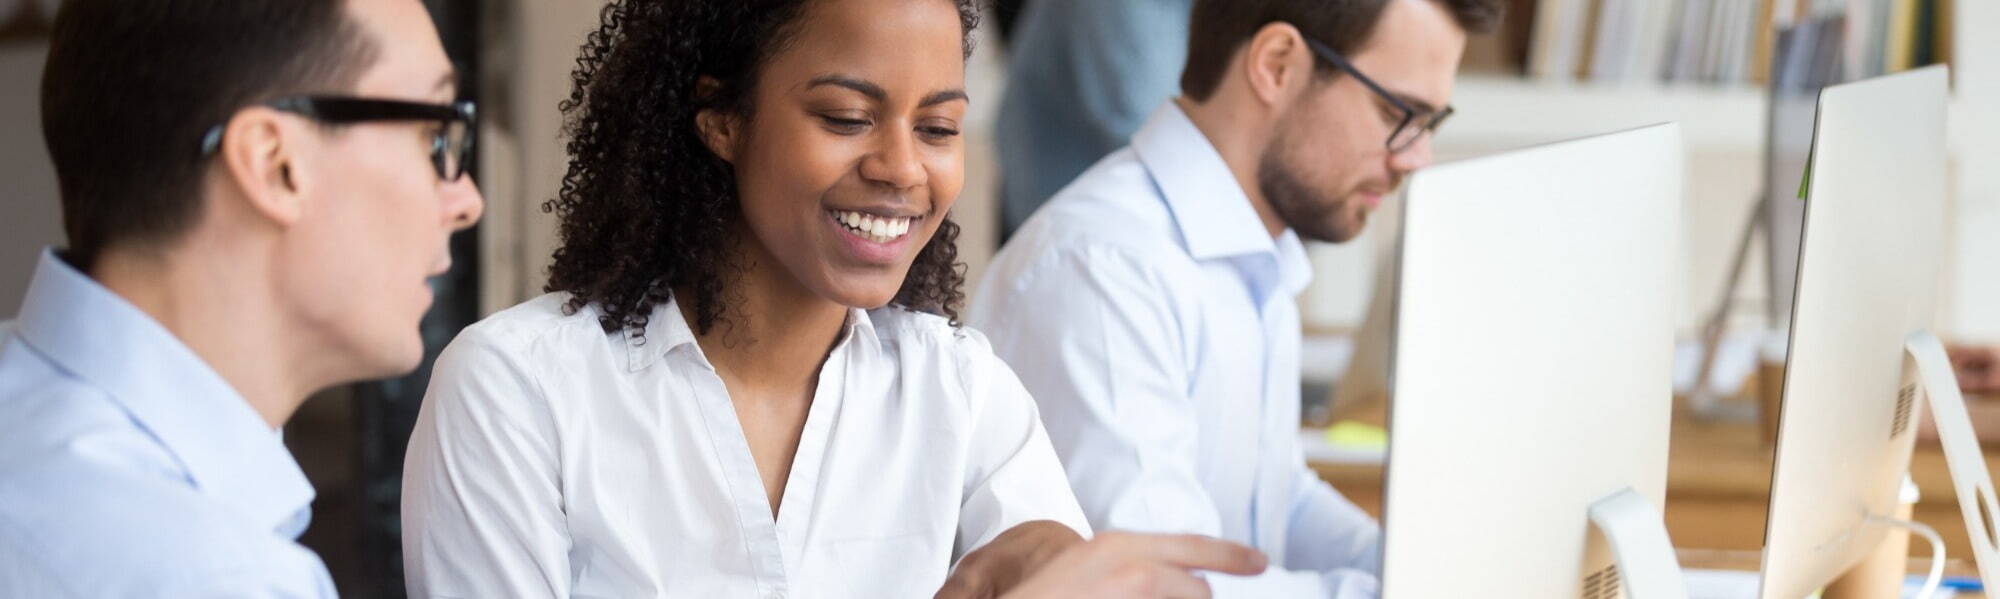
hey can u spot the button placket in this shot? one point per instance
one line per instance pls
(746, 488)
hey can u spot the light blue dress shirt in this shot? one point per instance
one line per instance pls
(129, 468)
(1154, 319)
(1082, 75)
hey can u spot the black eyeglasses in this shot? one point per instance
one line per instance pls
(451, 144)
(1414, 124)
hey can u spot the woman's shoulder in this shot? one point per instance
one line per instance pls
(934, 339)
(895, 323)
(529, 321)
(538, 331)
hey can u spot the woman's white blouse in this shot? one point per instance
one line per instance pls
(553, 459)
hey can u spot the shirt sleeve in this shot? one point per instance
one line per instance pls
(1013, 475)
(1328, 531)
(1094, 336)
(482, 508)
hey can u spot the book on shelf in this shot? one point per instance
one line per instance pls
(1505, 49)
(1722, 42)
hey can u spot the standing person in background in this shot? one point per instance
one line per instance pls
(1006, 14)
(1081, 78)
(1151, 309)
(255, 194)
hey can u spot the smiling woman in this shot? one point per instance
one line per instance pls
(651, 200)
(747, 380)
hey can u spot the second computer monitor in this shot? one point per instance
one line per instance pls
(1531, 368)
(1869, 262)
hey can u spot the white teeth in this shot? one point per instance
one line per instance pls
(874, 228)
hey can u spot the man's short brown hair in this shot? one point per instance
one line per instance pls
(1219, 27)
(131, 85)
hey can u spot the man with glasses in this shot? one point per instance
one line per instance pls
(255, 195)
(1150, 309)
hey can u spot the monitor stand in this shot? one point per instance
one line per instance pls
(1647, 565)
(1961, 452)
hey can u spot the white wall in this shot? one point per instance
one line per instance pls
(1974, 279)
(530, 51)
(1724, 174)
(30, 216)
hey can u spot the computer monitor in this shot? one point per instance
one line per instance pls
(1868, 280)
(1532, 372)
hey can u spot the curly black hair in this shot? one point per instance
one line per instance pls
(646, 207)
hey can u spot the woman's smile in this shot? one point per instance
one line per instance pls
(873, 238)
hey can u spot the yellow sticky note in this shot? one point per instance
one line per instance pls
(1357, 435)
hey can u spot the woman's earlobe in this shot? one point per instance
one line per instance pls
(717, 127)
(718, 132)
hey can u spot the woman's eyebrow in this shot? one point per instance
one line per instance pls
(875, 92)
(940, 97)
(865, 87)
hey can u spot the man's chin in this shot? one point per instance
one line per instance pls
(1340, 237)
(1335, 231)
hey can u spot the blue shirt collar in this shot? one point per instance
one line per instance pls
(227, 449)
(1295, 270)
(1209, 206)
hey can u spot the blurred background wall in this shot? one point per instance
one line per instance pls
(30, 218)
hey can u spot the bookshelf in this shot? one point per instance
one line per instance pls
(1502, 106)
(1717, 41)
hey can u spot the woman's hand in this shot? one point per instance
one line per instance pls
(1130, 565)
(1009, 559)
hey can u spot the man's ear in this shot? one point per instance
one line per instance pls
(1277, 62)
(719, 130)
(259, 159)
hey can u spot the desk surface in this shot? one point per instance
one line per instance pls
(1718, 488)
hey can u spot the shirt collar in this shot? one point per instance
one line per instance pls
(667, 330)
(1295, 270)
(228, 450)
(1209, 206)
